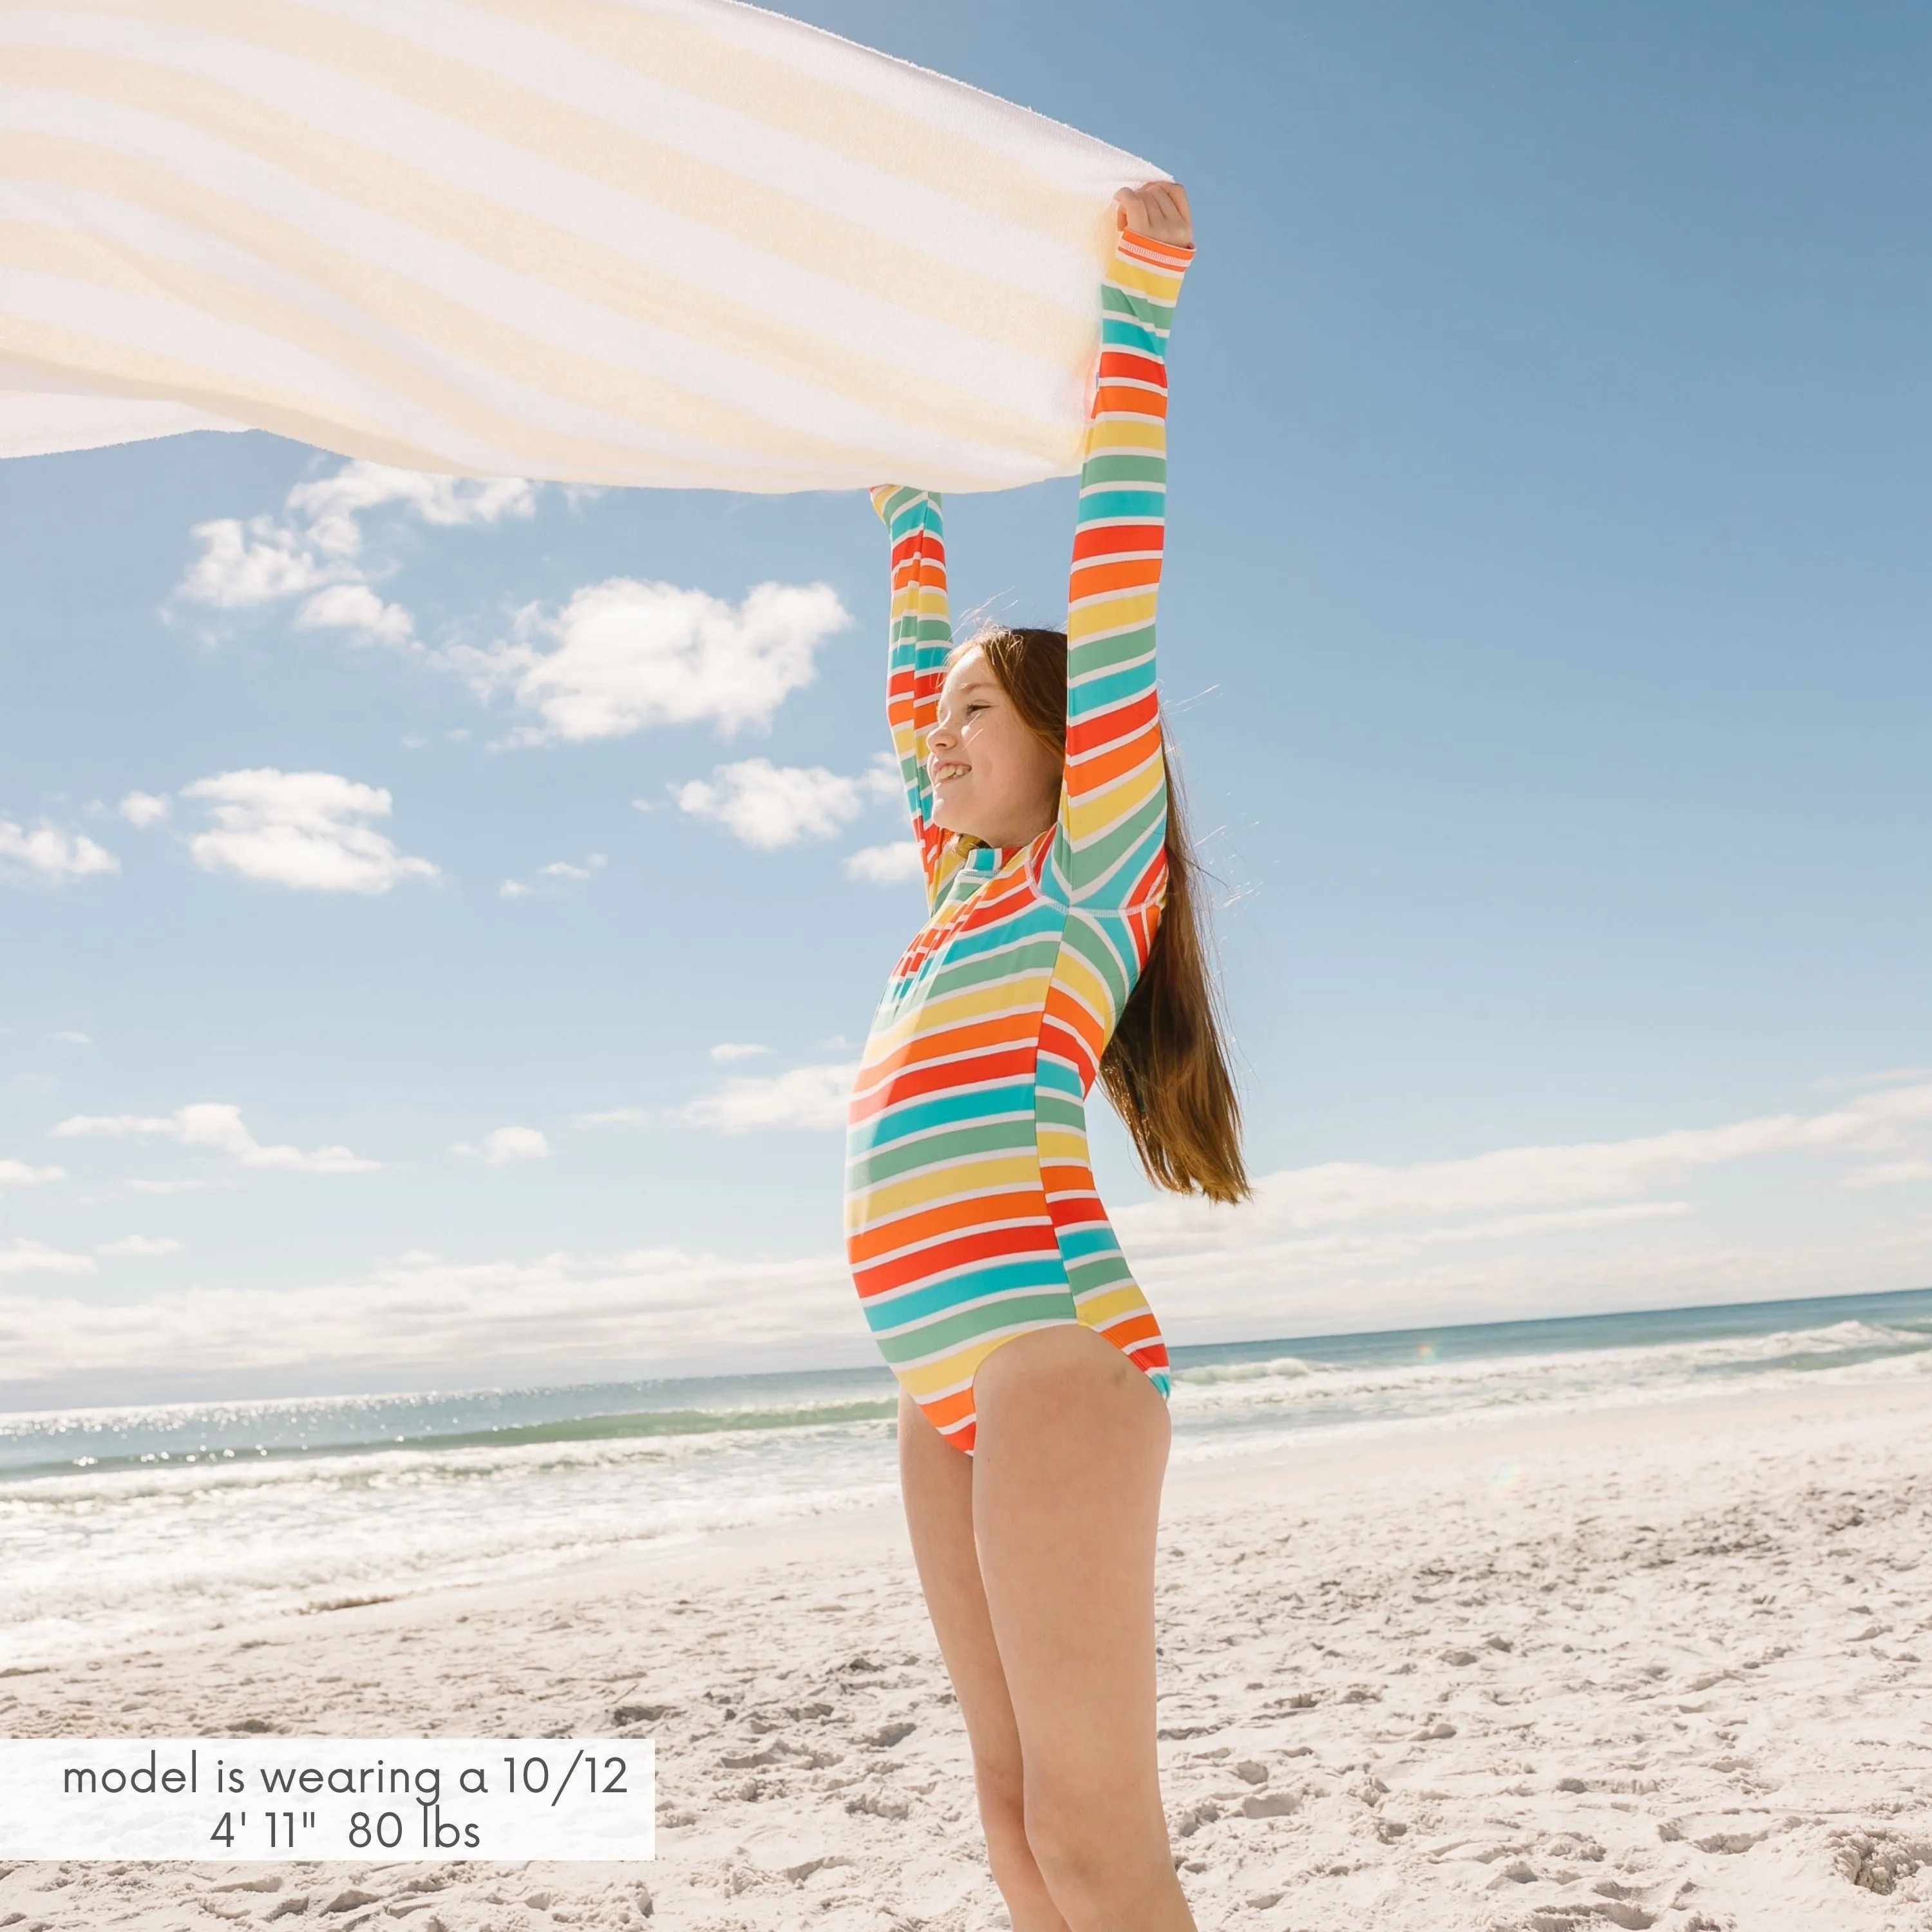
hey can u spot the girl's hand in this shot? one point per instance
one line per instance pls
(1158, 210)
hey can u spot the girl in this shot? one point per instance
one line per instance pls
(1060, 946)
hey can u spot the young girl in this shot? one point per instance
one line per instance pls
(1061, 947)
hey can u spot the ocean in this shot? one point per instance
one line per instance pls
(121, 1524)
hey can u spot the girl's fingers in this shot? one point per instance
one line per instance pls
(1156, 209)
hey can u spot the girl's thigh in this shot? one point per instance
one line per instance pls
(1071, 1448)
(936, 1481)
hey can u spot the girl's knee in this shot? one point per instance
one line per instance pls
(1091, 1865)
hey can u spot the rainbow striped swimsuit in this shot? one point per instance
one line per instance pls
(970, 1211)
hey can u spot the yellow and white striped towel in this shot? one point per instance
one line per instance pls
(673, 242)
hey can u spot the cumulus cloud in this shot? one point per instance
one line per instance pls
(885, 865)
(307, 830)
(612, 1116)
(71, 1038)
(507, 1144)
(20, 1257)
(46, 856)
(769, 806)
(139, 1246)
(623, 655)
(245, 564)
(142, 809)
(728, 1050)
(331, 506)
(617, 657)
(314, 549)
(209, 1123)
(355, 608)
(19, 1174)
(807, 1096)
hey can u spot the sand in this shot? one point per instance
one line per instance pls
(1661, 1666)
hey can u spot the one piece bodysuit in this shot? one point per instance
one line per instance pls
(971, 1215)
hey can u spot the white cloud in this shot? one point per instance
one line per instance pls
(559, 1317)
(770, 805)
(612, 1116)
(142, 809)
(36, 1258)
(314, 550)
(1300, 1199)
(139, 1246)
(1333, 1240)
(116, 1126)
(622, 655)
(209, 1123)
(508, 1144)
(18, 1174)
(1514, 1234)
(355, 607)
(47, 856)
(618, 656)
(303, 830)
(807, 1096)
(69, 1038)
(242, 565)
(885, 865)
(560, 870)
(1890, 1174)
(330, 505)
(728, 1050)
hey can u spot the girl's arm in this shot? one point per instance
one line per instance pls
(1109, 849)
(921, 635)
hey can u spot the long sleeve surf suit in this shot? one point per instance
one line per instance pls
(971, 1214)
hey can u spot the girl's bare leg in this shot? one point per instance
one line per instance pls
(937, 1483)
(1071, 1444)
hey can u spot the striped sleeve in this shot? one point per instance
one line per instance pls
(1110, 849)
(920, 635)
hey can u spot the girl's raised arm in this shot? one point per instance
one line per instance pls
(921, 635)
(1109, 852)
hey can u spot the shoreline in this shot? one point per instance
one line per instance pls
(1650, 1664)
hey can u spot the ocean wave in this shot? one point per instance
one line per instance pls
(1209, 1373)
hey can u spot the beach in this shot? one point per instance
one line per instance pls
(1656, 1664)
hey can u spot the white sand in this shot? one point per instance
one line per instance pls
(1657, 1667)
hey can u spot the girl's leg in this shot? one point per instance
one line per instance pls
(1071, 1446)
(936, 1481)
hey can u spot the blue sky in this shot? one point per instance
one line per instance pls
(1544, 639)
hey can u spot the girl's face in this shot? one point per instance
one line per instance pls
(992, 777)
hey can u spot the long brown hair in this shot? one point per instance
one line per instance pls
(1166, 1069)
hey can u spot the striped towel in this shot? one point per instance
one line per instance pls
(681, 243)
